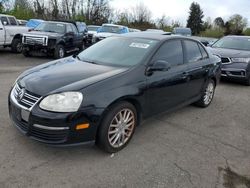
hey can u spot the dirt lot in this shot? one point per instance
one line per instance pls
(191, 147)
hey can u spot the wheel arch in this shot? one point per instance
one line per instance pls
(128, 99)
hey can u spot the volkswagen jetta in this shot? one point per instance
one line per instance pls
(101, 95)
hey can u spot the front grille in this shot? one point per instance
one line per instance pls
(58, 136)
(24, 97)
(225, 60)
(31, 39)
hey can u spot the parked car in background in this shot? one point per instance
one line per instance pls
(206, 41)
(182, 31)
(54, 39)
(92, 30)
(154, 30)
(22, 22)
(108, 30)
(134, 30)
(32, 23)
(102, 94)
(235, 56)
(11, 33)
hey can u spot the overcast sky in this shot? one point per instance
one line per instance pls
(178, 9)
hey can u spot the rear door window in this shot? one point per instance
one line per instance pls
(171, 51)
(193, 53)
(12, 21)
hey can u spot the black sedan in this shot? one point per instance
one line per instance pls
(102, 94)
(235, 55)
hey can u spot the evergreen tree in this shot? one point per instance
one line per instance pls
(195, 18)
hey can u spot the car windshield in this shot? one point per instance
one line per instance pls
(93, 28)
(118, 51)
(111, 29)
(51, 27)
(238, 43)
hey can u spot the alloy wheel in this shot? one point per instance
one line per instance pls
(209, 93)
(121, 128)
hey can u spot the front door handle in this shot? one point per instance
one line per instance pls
(1, 28)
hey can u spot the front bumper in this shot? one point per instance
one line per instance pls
(55, 128)
(236, 71)
(39, 48)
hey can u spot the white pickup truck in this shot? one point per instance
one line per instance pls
(11, 33)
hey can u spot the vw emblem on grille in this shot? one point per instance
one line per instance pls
(20, 94)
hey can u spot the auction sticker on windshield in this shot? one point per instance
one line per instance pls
(139, 45)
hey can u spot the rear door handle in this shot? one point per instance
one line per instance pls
(1, 28)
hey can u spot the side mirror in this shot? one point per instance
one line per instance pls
(5, 23)
(159, 65)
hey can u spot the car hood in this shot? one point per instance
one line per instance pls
(105, 34)
(229, 52)
(41, 33)
(68, 74)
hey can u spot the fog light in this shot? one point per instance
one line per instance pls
(82, 126)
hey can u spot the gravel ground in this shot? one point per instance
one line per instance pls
(191, 147)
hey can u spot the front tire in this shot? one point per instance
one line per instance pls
(16, 45)
(207, 95)
(248, 81)
(59, 52)
(117, 127)
(82, 47)
(26, 53)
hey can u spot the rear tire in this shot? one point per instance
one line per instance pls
(207, 95)
(16, 45)
(59, 52)
(117, 127)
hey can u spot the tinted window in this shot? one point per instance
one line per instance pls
(203, 52)
(171, 51)
(4, 19)
(69, 28)
(193, 51)
(51, 27)
(12, 21)
(74, 29)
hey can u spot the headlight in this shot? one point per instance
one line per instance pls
(62, 102)
(240, 60)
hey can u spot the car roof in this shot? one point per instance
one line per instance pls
(6, 15)
(114, 25)
(154, 35)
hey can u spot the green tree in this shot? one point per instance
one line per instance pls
(219, 22)
(247, 32)
(195, 18)
(235, 25)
